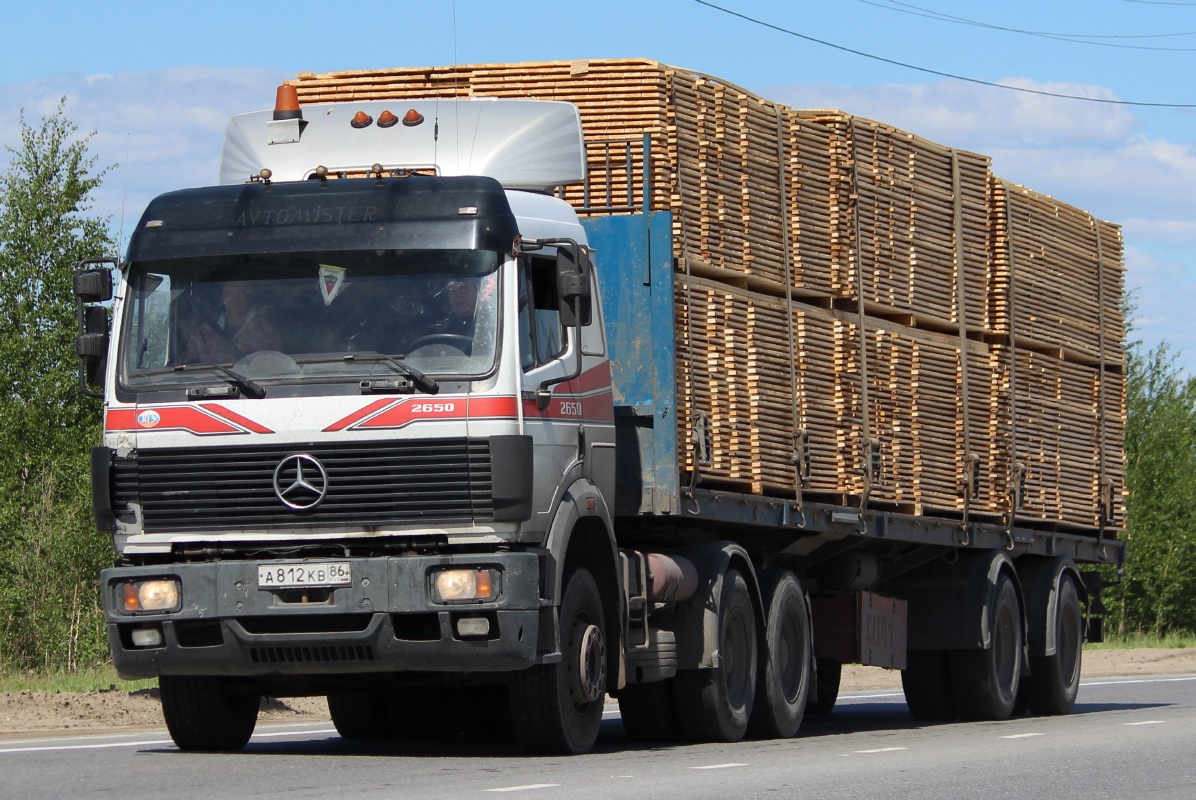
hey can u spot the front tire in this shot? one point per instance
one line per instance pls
(203, 713)
(557, 708)
(714, 705)
(360, 717)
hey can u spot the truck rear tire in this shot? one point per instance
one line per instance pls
(360, 717)
(985, 682)
(786, 658)
(203, 713)
(1054, 680)
(649, 712)
(557, 708)
(714, 705)
(830, 675)
(926, 681)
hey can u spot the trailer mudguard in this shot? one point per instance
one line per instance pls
(949, 601)
(695, 621)
(1040, 579)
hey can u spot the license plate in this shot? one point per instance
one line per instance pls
(294, 575)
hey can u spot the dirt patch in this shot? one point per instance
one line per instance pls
(55, 713)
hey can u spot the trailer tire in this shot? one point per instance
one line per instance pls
(649, 712)
(557, 708)
(360, 717)
(1054, 681)
(203, 713)
(714, 705)
(786, 659)
(926, 681)
(830, 675)
(985, 682)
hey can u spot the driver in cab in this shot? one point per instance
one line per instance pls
(237, 332)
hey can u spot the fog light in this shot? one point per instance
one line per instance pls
(146, 637)
(454, 585)
(155, 595)
(473, 626)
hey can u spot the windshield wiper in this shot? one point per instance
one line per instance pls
(422, 381)
(243, 385)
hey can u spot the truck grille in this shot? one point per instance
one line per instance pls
(368, 484)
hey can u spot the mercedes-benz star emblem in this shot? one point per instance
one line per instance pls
(300, 481)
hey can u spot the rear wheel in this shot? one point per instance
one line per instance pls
(783, 679)
(649, 712)
(830, 674)
(715, 704)
(360, 716)
(926, 681)
(985, 682)
(557, 708)
(1054, 680)
(205, 713)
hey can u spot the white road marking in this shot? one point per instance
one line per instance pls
(529, 787)
(1021, 735)
(881, 750)
(720, 766)
(1146, 722)
(147, 742)
(1125, 681)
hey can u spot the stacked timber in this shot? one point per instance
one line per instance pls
(862, 314)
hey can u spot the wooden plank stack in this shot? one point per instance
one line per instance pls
(847, 283)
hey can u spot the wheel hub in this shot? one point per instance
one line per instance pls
(590, 675)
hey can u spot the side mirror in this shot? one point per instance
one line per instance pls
(573, 285)
(93, 285)
(91, 346)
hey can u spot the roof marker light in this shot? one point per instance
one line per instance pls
(412, 118)
(361, 120)
(286, 103)
(386, 119)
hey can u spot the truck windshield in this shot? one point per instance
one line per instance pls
(288, 318)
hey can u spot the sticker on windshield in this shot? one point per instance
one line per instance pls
(332, 281)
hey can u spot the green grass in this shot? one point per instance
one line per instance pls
(86, 680)
(1134, 641)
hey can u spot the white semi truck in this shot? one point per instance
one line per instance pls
(386, 421)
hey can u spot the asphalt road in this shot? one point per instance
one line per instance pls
(1128, 738)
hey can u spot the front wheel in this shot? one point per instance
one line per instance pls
(205, 713)
(557, 708)
(714, 705)
(360, 717)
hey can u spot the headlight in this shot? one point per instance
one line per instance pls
(154, 595)
(455, 585)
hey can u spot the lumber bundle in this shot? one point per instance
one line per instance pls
(845, 283)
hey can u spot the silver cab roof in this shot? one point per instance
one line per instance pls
(524, 144)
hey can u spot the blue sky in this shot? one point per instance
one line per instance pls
(157, 82)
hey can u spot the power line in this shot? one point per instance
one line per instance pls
(940, 73)
(1073, 38)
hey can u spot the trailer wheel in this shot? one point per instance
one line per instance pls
(203, 712)
(649, 712)
(360, 716)
(830, 673)
(783, 677)
(926, 681)
(1054, 681)
(985, 682)
(715, 704)
(557, 708)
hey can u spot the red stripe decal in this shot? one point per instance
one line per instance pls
(360, 414)
(177, 418)
(420, 409)
(235, 418)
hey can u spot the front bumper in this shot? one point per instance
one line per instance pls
(383, 622)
